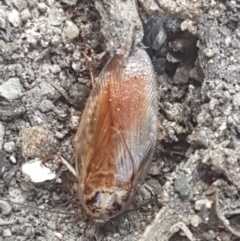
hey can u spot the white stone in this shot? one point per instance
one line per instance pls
(75, 121)
(55, 16)
(16, 194)
(37, 172)
(202, 202)
(25, 15)
(42, 7)
(9, 146)
(11, 89)
(71, 30)
(209, 52)
(7, 233)
(13, 159)
(14, 18)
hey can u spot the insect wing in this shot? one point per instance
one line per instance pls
(117, 134)
(134, 113)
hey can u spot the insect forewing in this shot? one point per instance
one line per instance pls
(117, 132)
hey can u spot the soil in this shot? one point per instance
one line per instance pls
(49, 48)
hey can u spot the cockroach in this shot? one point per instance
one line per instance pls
(116, 137)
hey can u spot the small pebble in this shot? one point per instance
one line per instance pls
(3, 47)
(172, 59)
(13, 159)
(236, 100)
(208, 52)
(16, 194)
(9, 146)
(58, 235)
(55, 16)
(41, 91)
(11, 89)
(2, 132)
(71, 30)
(25, 15)
(195, 221)
(77, 66)
(189, 25)
(60, 135)
(181, 185)
(3, 164)
(55, 69)
(42, 7)
(194, 74)
(46, 105)
(37, 141)
(20, 4)
(2, 22)
(14, 18)
(69, 2)
(181, 76)
(202, 202)
(55, 40)
(5, 207)
(37, 172)
(228, 40)
(32, 3)
(7, 233)
(74, 121)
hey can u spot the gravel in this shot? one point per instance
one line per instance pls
(49, 50)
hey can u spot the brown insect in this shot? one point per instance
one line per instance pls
(116, 137)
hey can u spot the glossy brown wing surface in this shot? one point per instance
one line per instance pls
(93, 140)
(117, 133)
(134, 113)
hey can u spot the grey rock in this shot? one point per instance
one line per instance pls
(9, 146)
(69, 2)
(42, 7)
(37, 141)
(46, 105)
(14, 18)
(13, 159)
(2, 21)
(20, 4)
(11, 89)
(3, 162)
(172, 59)
(5, 207)
(181, 185)
(25, 15)
(56, 39)
(236, 100)
(71, 31)
(7, 233)
(154, 32)
(202, 202)
(16, 195)
(209, 52)
(181, 76)
(32, 3)
(2, 132)
(55, 16)
(39, 92)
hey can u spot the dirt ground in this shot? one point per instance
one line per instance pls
(191, 192)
